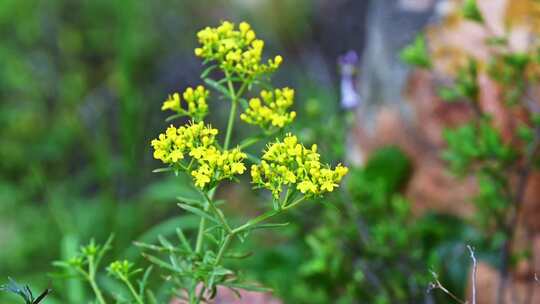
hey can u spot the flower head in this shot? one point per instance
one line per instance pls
(215, 165)
(195, 99)
(235, 50)
(270, 111)
(170, 147)
(289, 164)
(120, 269)
(208, 163)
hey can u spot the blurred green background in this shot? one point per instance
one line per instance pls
(81, 84)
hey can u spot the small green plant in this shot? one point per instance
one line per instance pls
(417, 53)
(24, 292)
(376, 251)
(291, 172)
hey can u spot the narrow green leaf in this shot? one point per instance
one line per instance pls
(164, 242)
(190, 200)
(175, 116)
(183, 240)
(106, 247)
(269, 225)
(144, 281)
(198, 212)
(207, 71)
(158, 170)
(157, 261)
(216, 86)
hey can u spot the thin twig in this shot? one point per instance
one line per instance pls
(438, 285)
(473, 278)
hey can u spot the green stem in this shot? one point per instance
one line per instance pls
(217, 212)
(91, 277)
(232, 113)
(234, 104)
(293, 204)
(200, 232)
(265, 216)
(97, 292)
(132, 290)
(223, 248)
(193, 299)
(202, 223)
(230, 124)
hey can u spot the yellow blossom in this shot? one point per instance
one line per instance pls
(171, 146)
(271, 109)
(172, 103)
(288, 163)
(236, 51)
(195, 99)
(209, 164)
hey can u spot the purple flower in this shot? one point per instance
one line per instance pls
(348, 67)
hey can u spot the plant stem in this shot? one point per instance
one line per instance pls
(234, 104)
(96, 290)
(217, 212)
(232, 113)
(132, 290)
(293, 204)
(202, 222)
(91, 277)
(230, 124)
(193, 298)
(223, 248)
(200, 232)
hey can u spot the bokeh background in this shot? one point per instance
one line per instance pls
(81, 85)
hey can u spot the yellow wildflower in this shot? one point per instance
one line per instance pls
(209, 164)
(289, 164)
(272, 111)
(172, 103)
(195, 99)
(171, 146)
(236, 51)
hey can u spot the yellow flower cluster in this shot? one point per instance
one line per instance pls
(198, 141)
(197, 108)
(216, 165)
(170, 147)
(237, 51)
(272, 110)
(289, 164)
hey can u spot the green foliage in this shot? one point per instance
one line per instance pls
(510, 71)
(465, 84)
(416, 54)
(502, 165)
(477, 143)
(470, 11)
(293, 173)
(371, 249)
